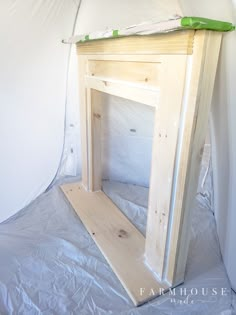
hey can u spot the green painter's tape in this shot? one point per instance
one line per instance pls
(115, 33)
(195, 23)
(198, 23)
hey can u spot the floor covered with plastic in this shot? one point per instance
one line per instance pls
(50, 265)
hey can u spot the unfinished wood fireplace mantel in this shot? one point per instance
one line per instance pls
(174, 73)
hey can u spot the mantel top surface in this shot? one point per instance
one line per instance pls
(156, 27)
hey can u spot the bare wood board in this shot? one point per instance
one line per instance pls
(118, 239)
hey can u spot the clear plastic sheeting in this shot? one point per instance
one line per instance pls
(34, 65)
(50, 264)
(126, 141)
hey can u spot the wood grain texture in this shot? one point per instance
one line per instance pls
(119, 241)
(94, 140)
(82, 69)
(144, 73)
(134, 92)
(165, 139)
(180, 42)
(130, 57)
(198, 96)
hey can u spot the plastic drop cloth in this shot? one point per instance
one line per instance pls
(50, 265)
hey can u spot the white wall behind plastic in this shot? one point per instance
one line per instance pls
(127, 140)
(103, 14)
(33, 70)
(223, 129)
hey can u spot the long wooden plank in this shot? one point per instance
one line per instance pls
(146, 73)
(118, 239)
(135, 58)
(194, 122)
(82, 63)
(94, 139)
(134, 92)
(163, 160)
(172, 43)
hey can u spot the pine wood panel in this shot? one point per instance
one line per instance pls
(196, 108)
(145, 73)
(180, 42)
(165, 140)
(134, 92)
(117, 238)
(82, 64)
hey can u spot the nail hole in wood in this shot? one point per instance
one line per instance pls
(97, 115)
(122, 234)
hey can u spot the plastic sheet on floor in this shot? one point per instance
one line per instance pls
(50, 265)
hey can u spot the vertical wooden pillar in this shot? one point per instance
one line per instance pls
(195, 113)
(82, 67)
(180, 129)
(94, 139)
(165, 140)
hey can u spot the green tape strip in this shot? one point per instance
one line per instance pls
(115, 33)
(198, 23)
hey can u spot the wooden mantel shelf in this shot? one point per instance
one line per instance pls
(174, 73)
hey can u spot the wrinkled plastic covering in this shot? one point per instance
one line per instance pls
(157, 27)
(126, 140)
(144, 28)
(50, 264)
(33, 94)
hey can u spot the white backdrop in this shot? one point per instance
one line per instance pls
(33, 71)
